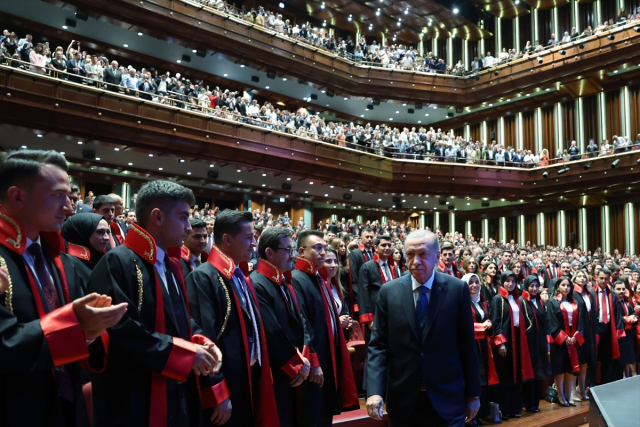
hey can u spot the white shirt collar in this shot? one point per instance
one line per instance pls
(30, 242)
(415, 285)
(159, 257)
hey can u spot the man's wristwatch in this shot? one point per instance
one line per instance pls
(474, 405)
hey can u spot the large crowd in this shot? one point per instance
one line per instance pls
(184, 314)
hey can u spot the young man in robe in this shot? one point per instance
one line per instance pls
(158, 361)
(193, 248)
(48, 329)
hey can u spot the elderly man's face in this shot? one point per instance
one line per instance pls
(422, 254)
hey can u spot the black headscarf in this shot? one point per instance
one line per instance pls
(527, 282)
(78, 230)
(505, 275)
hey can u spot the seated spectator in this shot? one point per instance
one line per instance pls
(604, 148)
(553, 40)
(544, 158)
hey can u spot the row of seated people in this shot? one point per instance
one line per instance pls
(415, 144)
(398, 56)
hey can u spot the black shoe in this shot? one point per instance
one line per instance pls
(534, 409)
(572, 404)
(480, 423)
(505, 418)
(515, 415)
(566, 405)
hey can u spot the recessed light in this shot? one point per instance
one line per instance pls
(391, 118)
(188, 173)
(326, 195)
(397, 112)
(351, 190)
(323, 90)
(159, 169)
(130, 164)
(98, 158)
(426, 115)
(284, 79)
(490, 105)
(264, 174)
(361, 115)
(210, 166)
(455, 11)
(615, 71)
(125, 45)
(266, 87)
(468, 204)
(548, 89)
(311, 183)
(404, 201)
(116, 149)
(24, 146)
(379, 200)
(306, 192)
(139, 34)
(288, 179)
(327, 105)
(419, 121)
(241, 66)
(179, 61)
(426, 201)
(404, 105)
(80, 142)
(64, 27)
(239, 170)
(194, 50)
(225, 75)
(264, 185)
(240, 182)
(346, 99)
(39, 136)
(528, 94)
(63, 153)
(331, 186)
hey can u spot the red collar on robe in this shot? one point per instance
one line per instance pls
(525, 357)
(141, 243)
(503, 291)
(270, 271)
(185, 253)
(526, 295)
(221, 262)
(303, 264)
(78, 251)
(443, 268)
(115, 229)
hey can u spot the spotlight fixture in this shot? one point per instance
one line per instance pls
(496, 72)
(581, 45)
(540, 60)
(378, 12)
(587, 166)
(615, 163)
(638, 161)
(545, 174)
(455, 10)
(611, 37)
(406, 11)
(636, 29)
(562, 52)
(563, 170)
(322, 5)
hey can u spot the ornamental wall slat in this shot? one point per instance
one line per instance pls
(510, 131)
(590, 120)
(529, 131)
(594, 228)
(569, 128)
(612, 107)
(549, 130)
(617, 229)
(551, 229)
(571, 219)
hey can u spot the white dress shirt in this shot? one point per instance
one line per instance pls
(599, 294)
(569, 308)
(416, 286)
(515, 310)
(160, 269)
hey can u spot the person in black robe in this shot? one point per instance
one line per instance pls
(586, 300)
(535, 318)
(490, 279)
(87, 238)
(332, 387)
(483, 330)
(49, 330)
(511, 348)
(223, 301)
(158, 360)
(357, 258)
(567, 332)
(373, 274)
(193, 252)
(287, 336)
(609, 326)
(627, 343)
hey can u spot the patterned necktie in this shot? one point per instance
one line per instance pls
(603, 305)
(179, 309)
(255, 342)
(421, 308)
(46, 283)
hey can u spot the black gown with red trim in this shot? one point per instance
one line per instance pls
(535, 318)
(587, 353)
(564, 358)
(339, 391)
(516, 365)
(213, 294)
(287, 337)
(35, 342)
(357, 258)
(488, 374)
(148, 379)
(370, 280)
(628, 342)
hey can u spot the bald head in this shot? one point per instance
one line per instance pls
(118, 205)
(422, 253)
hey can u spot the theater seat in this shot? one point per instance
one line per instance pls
(87, 391)
(358, 351)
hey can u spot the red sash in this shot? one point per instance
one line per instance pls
(615, 348)
(571, 331)
(481, 333)
(525, 357)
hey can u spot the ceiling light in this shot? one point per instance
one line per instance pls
(615, 71)
(391, 118)
(179, 61)
(64, 27)
(455, 10)
(361, 115)
(419, 121)
(39, 136)
(517, 1)
(281, 5)
(378, 12)
(97, 158)
(79, 142)
(125, 45)
(404, 201)
(159, 169)
(139, 34)
(284, 79)
(242, 66)
(322, 5)
(264, 185)
(346, 99)
(210, 166)
(331, 186)
(397, 112)
(468, 204)
(548, 89)
(429, 23)
(351, 190)
(264, 174)
(528, 94)
(266, 87)
(435, 107)
(239, 170)
(240, 182)
(116, 149)
(225, 75)
(426, 201)
(288, 179)
(306, 192)
(130, 164)
(188, 173)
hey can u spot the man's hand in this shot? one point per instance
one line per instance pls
(217, 355)
(4, 280)
(375, 407)
(204, 363)
(502, 350)
(473, 406)
(346, 322)
(95, 314)
(370, 325)
(303, 373)
(317, 376)
(222, 413)
(487, 325)
(250, 266)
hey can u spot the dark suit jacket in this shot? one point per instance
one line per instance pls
(445, 361)
(112, 77)
(82, 208)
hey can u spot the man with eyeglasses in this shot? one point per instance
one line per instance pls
(285, 328)
(328, 396)
(223, 300)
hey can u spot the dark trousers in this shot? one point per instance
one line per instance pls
(531, 394)
(608, 367)
(425, 414)
(484, 410)
(510, 399)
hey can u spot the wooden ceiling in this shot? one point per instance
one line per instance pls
(506, 9)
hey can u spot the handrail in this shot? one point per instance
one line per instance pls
(195, 106)
(468, 73)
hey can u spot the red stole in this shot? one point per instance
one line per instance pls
(571, 331)
(392, 269)
(116, 231)
(481, 333)
(615, 348)
(263, 402)
(456, 272)
(525, 357)
(347, 385)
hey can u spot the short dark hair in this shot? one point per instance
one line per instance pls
(380, 238)
(605, 270)
(366, 230)
(75, 188)
(446, 246)
(258, 228)
(197, 223)
(507, 250)
(302, 237)
(271, 239)
(159, 194)
(614, 267)
(229, 222)
(102, 200)
(18, 166)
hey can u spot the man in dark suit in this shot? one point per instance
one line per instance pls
(120, 227)
(488, 155)
(193, 247)
(112, 76)
(82, 208)
(106, 206)
(357, 258)
(75, 68)
(527, 268)
(422, 354)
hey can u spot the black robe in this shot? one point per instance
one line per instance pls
(488, 374)
(30, 350)
(252, 402)
(370, 280)
(357, 258)
(139, 354)
(286, 335)
(564, 358)
(535, 319)
(587, 354)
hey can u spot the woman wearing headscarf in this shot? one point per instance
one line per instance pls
(483, 332)
(567, 332)
(535, 323)
(511, 348)
(87, 236)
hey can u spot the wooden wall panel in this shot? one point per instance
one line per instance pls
(609, 10)
(526, 33)
(586, 16)
(617, 228)
(529, 131)
(458, 50)
(589, 119)
(544, 26)
(475, 132)
(612, 107)
(494, 230)
(572, 226)
(511, 230)
(530, 229)
(564, 20)
(549, 130)
(569, 125)
(634, 110)
(510, 132)
(594, 228)
(636, 223)
(492, 126)
(508, 42)
(551, 229)
(490, 43)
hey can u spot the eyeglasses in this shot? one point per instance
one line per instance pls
(318, 248)
(290, 250)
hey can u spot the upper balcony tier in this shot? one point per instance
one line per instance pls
(584, 66)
